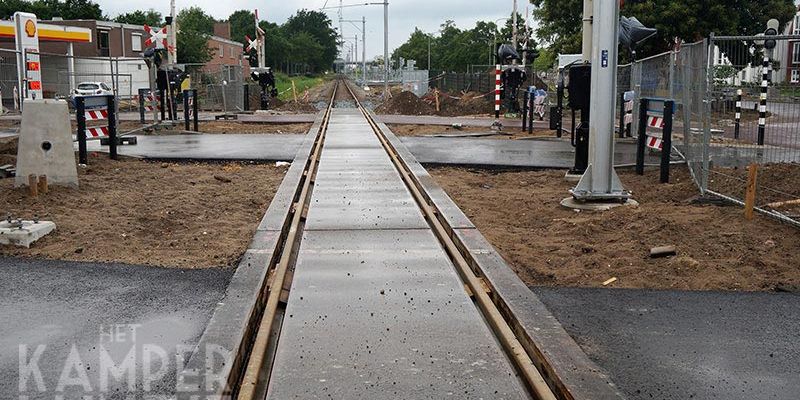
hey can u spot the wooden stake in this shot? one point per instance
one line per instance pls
(33, 185)
(43, 184)
(437, 99)
(294, 92)
(750, 192)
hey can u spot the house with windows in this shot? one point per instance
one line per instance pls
(791, 61)
(122, 43)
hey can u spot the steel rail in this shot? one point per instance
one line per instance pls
(253, 383)
(505, 334)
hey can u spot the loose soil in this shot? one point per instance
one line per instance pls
(462, 104)
(549, 245)
(187, 215)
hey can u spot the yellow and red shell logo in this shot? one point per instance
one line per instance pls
(30, 28)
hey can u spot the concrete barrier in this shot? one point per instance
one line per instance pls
(45, 144)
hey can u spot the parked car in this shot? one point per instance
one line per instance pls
(91, 89)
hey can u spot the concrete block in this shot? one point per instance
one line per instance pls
(45, 144)
(24, 233)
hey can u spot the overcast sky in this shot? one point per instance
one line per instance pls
(404, 15)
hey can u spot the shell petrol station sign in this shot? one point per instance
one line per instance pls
(28, 64)
(27, 32)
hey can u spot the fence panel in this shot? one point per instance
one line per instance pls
(753, 112)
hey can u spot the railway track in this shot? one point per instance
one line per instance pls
(252, 366)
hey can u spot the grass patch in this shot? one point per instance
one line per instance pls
(301, 82)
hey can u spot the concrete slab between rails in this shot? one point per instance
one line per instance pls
(566, 366)
(277, 118)
(210, 147)
(215, 356)
(449, 210)
(449, 121)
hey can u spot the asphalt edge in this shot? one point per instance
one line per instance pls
(214, 356)
(565, 365)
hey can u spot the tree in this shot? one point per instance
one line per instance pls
(193, 47)
(242, 23)
(47, 9)
(320, 27)
(416, 48)
(196, 20)
(560, 20)
(150, 17)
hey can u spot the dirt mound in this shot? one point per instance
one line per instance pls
(454, 105)
(405, 103)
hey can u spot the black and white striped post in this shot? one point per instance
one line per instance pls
(738, 114)
(762, 106)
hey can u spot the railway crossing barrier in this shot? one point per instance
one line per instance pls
(190, 103)
(96, 109)
(147, 103)
(656, 114)
(626, 114)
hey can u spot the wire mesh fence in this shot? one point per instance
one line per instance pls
(753, 117)
(220, 87)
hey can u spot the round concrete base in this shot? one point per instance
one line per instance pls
(570, 202)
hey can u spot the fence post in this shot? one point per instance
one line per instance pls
(141, 105)
(666, 150)
(497, 92)
(738, 113)
(80, 116)
(622, 115)
(161, 105)
(762, 107)
(531, 110)
(246, 97)
(640, 144)
(525, 111)
(195, 107)
(186, 110)
(112, 127)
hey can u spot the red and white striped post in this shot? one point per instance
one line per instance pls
(497, 91)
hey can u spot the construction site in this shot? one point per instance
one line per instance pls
(619, 221)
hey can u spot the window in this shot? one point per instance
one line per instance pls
(796, 25)
(796, 53)
(795, 76)
(102, 43)
(136, 42)
(233, 52)
(221, 51)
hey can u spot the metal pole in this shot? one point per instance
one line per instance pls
(195, 107)
(514, 28)
(112, 126)
(429, 52)
(587, 30)
(600, 181)
(386, 47)
(364, 50)
(80, 116)
(172, 53)
(71, 66)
